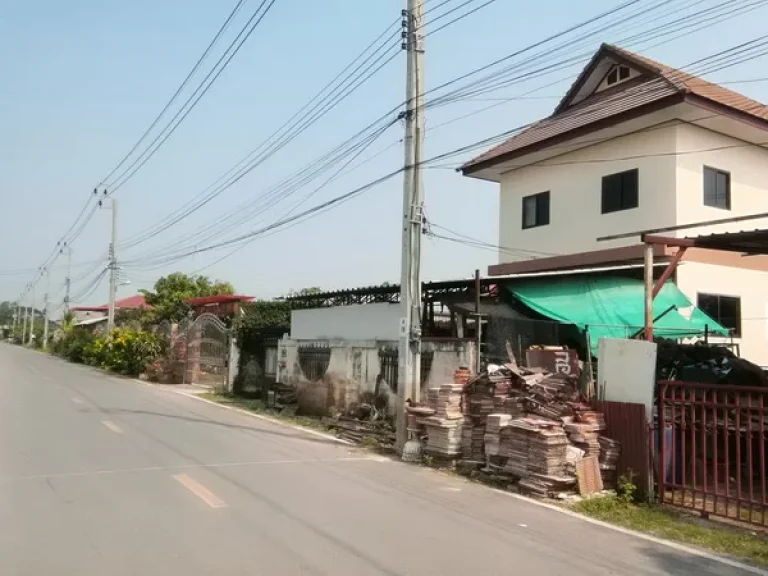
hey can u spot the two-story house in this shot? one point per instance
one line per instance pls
(635, 145)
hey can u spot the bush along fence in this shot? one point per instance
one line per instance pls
(123, 350)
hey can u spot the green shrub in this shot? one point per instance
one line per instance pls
(125, 351)
(128, 351)
(73, 344)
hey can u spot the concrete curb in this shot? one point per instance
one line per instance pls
(647, 537)
(262, 417)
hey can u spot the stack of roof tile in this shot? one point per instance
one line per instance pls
(547, 450)
(443, 436)
(433, 395)
(517, 440)
(609, 457)
(472, 439)
(496, 422)
(449, 402)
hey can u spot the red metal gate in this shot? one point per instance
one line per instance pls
(712, 449)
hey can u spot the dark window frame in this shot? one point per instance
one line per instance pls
(626, 184)
(542, 205)
(717, 314)
(706, 197)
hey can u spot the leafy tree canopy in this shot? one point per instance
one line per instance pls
(6, 312)
(167, 299)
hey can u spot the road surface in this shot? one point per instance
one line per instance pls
(108, 476)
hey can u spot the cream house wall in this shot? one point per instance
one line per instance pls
(670, 161)
(574, 181)
(749, 285)
(747, 164)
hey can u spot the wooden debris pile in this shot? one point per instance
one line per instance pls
(379, 432)
(534, 427)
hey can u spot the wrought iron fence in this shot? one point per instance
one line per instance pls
(389, 370)
(712, 450)
(314, 360)
(426, 364)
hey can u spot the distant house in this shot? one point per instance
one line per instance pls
(223, 305)
(636, 145)
(94, 315)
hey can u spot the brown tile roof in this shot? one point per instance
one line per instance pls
(658, 84)
(698, 86)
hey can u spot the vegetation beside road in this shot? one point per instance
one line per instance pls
(258, 407)
(668, 524)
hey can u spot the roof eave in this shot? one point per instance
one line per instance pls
(671, 100)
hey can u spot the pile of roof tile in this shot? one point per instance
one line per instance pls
(443, 436)
(495, 423)
(532, 425)
(444, 428)
(610, 451)
(449, 402)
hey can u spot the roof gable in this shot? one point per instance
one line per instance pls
(587, 107)
(593, 77)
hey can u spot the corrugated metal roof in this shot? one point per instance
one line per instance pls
(656, 83)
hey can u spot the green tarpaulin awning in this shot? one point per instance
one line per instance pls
(612, 306)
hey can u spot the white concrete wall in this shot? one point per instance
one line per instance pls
(360, 322)
(574, 181)
(749, 285)
(748, 166)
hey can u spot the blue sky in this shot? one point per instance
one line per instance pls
(83, 79)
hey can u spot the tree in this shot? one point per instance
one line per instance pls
(6, 313)
(167, 299)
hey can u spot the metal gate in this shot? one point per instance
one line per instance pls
(713, 449)
(207, 357)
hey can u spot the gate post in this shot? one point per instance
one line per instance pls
(233, 364)
(661, 439)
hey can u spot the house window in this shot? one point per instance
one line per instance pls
(620, 191)
(726, 310)
(536, 210)
(617, 74)
(717, 188)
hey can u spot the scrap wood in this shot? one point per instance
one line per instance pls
(588, 475)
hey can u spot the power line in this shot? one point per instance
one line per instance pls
(294, 126)
(245, 33)
(184, 83)
(485, 142)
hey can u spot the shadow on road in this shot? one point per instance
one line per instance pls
(305, 436)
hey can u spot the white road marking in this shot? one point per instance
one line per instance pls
(450, 489)
(184, 467)
(77, 400)
(112, 426)
(200, 491)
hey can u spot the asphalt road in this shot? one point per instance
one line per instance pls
(105, 476)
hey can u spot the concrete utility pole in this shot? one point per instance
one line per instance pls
(24, 323)
(409, 348)
(112, 268)
(32, 317)
(45, 308)
(68, 281)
